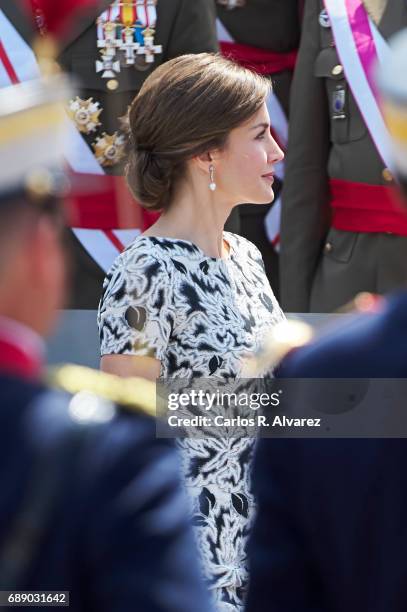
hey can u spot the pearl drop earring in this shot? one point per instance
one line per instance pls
(212, 184)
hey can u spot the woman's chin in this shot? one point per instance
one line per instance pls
(266, 198)
(271, 197)
(259, 198)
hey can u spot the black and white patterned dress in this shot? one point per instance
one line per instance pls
(199, 316)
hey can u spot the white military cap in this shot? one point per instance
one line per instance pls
(32, 131)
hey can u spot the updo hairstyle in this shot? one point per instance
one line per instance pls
(186, 107)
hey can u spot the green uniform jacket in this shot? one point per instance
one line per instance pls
(322, 268)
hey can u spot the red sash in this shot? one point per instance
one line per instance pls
(104, 202)
(260, 60)
(359, 207)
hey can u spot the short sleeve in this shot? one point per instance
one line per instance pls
(136, 314)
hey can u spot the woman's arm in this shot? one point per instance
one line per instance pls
(130, 365)
(136, 314)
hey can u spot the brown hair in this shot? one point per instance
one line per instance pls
(185, 108)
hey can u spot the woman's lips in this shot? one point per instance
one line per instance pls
(269, 177)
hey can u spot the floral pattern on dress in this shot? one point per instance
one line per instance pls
(200, 316)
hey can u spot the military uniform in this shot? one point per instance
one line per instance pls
(269, 26)
(91, 499)
(330, 532)
(272, 26)
(88, 473)
(323, 267)
(181, 27)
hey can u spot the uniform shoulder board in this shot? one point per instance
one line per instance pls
(133, 394)
(283, 338)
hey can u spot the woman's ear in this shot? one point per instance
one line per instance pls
(208, 158)
(203, 161)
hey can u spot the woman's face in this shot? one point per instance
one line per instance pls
(244, 168)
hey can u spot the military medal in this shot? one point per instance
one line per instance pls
(232, 4)
(129, 43)
(108, 43)
(109, 149)
(129, 46)
(107, 66)
(85, 114)
(149, 49)
(128, 27)
(146, 19)
(125, 38)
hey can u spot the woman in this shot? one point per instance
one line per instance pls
(187, 299)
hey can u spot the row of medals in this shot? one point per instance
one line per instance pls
(136, 45)
(123, 45)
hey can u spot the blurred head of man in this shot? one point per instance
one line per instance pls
(33, 136)
(32, 267)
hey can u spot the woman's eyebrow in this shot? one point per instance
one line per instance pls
(263, 125)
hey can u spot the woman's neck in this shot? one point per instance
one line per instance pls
(197, 218)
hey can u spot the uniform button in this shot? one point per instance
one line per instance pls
(387, 175)
(337, 70)
(328, 247)
(324, 19)
(112, 84)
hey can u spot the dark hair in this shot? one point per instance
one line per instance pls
(186, 107)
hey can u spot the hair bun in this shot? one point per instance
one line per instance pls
(150, 178)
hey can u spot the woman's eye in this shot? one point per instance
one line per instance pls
(260, 136)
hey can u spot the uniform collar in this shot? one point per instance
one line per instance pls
(22, 350)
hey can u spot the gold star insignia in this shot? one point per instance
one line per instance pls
(85, 114)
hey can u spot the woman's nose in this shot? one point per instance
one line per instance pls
(279, 154)
(276, 154)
